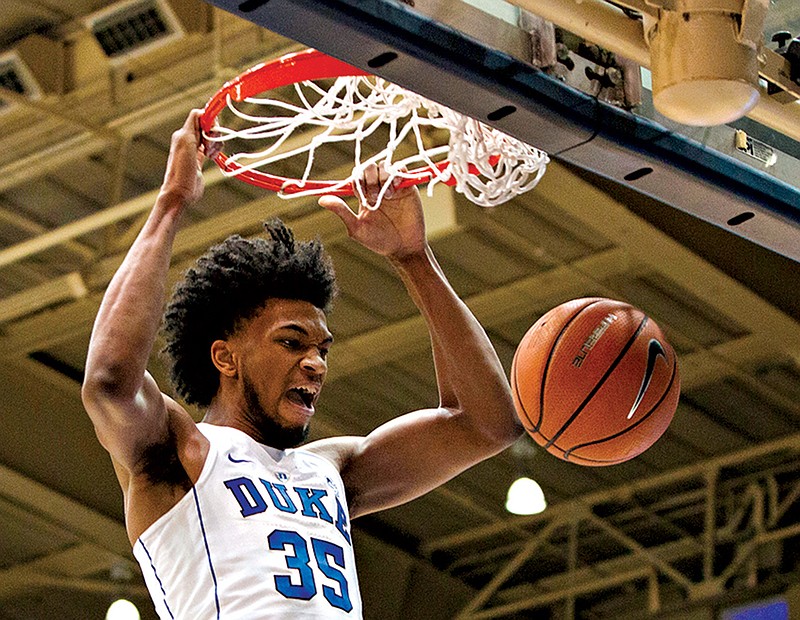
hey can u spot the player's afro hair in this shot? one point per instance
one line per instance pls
(228, 285)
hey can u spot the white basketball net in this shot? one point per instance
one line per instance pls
(354, 108)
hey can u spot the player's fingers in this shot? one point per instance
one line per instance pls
(336, 205)
(189, 134)
(370, 175)
(193, 119)
(211, 148)
(192, 124)
(383, 174)
(371, 181)
(394, 184)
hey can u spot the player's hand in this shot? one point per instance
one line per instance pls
(395, 229)
(183, 179)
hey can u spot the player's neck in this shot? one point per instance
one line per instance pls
(220, 418)
(222, 413)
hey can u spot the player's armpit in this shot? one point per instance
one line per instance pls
(163, 472)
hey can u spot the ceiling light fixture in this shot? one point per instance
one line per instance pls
(122, 609)
(525, 497)
(705, 59)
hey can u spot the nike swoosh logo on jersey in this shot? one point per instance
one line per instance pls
(654, 349)
(233, 460)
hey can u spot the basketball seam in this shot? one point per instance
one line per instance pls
(597, 386)
(576, 459)
(534, 428)
(521, 409)
(550, 357)
(634, 425)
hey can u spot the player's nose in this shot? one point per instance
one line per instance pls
(314, 363)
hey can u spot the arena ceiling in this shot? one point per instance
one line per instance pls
(709, 513)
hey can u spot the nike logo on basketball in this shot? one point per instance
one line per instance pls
(654, 349)
(233, 460)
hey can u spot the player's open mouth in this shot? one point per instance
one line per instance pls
(304, 397)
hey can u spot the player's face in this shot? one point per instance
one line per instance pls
(283, 366)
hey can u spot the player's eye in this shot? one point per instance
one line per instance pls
(291, 343)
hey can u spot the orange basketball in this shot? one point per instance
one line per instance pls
(595, 382)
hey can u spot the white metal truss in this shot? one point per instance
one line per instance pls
(687, 535)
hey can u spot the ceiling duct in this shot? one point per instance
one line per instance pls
(131, 28)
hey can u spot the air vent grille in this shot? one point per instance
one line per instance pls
(15, 77)
(132, 29)
(10, 78)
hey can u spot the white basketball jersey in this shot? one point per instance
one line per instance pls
(264, 533)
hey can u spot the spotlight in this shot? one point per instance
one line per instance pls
(704, 59)
(122, 609)
(525, 497)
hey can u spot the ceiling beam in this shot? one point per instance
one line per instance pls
(659, 253)
(64, 513)
(72, 567)
(504, 303)
(58, 290)
(640, 248)
(10, 216)
(788, 446)
(92, 138)
(57, 112)
(13, 581)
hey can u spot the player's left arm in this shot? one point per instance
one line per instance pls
(475, 419)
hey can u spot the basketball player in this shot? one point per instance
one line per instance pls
(229, 518)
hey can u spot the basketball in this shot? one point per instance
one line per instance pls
(595, 382)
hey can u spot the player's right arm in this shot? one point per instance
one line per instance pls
(129, 412)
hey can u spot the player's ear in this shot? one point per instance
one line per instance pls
(223, 358)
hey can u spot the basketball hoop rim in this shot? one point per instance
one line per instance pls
(292, 68)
